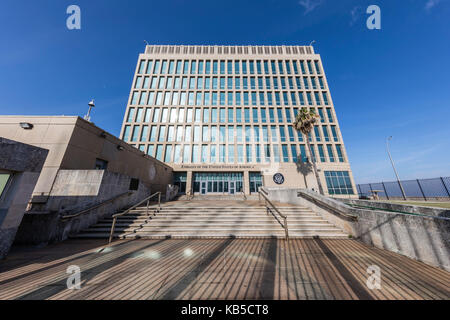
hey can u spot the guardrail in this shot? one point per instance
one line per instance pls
(64, 217)
(264, 194)
(134, 207)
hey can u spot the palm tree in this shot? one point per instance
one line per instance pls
(304, 123)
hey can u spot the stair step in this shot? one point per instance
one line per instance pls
(219, 208)
(213, 214)
(279, 235)
(214, 229)
(205, 222)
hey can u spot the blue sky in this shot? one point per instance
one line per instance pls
(392, 81)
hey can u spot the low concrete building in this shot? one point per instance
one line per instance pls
(20, 166)
(85, 167)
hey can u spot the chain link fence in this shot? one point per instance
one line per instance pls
(419, 189)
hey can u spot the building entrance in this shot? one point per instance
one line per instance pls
(218, 183)
(203, 187)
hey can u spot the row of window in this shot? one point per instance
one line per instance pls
(225, 134)
(222, 115)
(229, 67)
(223, 98)
(338, 182)
(242, 153)
(230, 83)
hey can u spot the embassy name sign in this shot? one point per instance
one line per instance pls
(218, 167)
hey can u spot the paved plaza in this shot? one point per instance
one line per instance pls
(217, 269)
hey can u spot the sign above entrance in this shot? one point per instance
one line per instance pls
(278, 178)
(217, 167)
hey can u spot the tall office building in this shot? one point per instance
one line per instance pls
(222, 117)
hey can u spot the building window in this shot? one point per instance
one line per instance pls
(248, 153)
(134, 136)
(330, 153)
(285, 153)
(204, 158)
(126, 133)
(321, 153)
(316, 132)
(255, 181)
(334, 132)
(330, 115)
(100, 164)
(150, 149)
(168, 154)
(282, 134)
(340, 153)
(258, 153)
(213, 153)
(177, 155)
(231, 153)
(338, 182)
(179, 179)
(195, 153)
(159, 152)
(294, 153)
(144, 134)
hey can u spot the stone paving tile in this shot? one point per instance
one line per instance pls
(217, 269)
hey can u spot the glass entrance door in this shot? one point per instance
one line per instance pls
(203, 187)
(218, 182)
(232, 187)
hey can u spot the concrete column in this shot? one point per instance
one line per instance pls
(246, 182)
(189, 189)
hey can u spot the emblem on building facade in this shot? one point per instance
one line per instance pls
(278, 178)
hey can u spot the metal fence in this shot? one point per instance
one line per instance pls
(419, 189)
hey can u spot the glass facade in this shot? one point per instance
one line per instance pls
(231, 106)
(178, 86)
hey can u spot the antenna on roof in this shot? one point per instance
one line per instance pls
(312, 42)
(146, 42)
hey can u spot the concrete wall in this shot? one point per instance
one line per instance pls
(422, 237)
(24, 163)
(74, 191)
(389, 206)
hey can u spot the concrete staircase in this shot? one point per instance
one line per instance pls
(218, 219)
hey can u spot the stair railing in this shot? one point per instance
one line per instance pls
(267, 202)
(101, 204)
(134, 207)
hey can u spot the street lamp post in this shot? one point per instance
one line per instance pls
(91, 105)
(393, 166)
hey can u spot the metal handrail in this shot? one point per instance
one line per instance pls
(63, 217)
(264, 194)
(134, 207)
